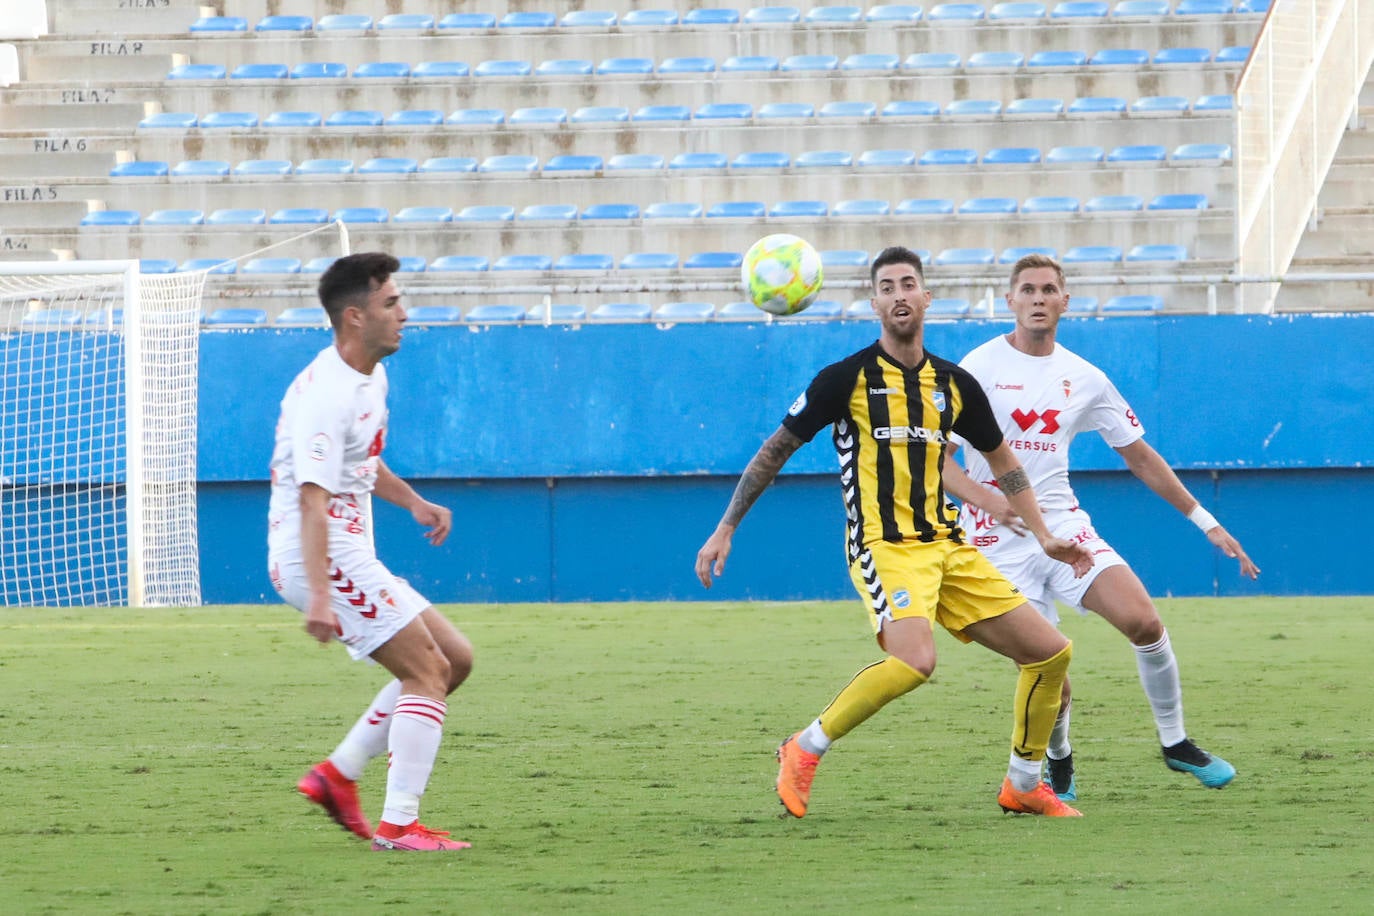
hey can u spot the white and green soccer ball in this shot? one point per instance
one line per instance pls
(782, 274)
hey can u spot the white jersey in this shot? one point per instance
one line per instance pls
(331, 433)
(1041, 403)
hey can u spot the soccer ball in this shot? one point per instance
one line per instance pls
(782, 274)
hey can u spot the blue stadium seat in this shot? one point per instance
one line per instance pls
(51, 319)
(217, 266)
(1253, 6)
(1075, 155)
(988, 206)
(786, 110)
(485, 213)
(649, 260)
(834, 15)
(982, 108)
(910, 108)
(763, 159)
(949, 157)
(509, 163)
(1018, 9)
(1144, 152)
(1234, 54)
(870, 62)
(472, 21)
(1012, 255)
(1140, 9)
(174, 218)
(995, 60)
(1092, 254)
(434, 314)
(140, 169)
(424, 215)
(163, 120)
(1119, 57)
(610, 211)
(931, 60)
(685, 311)
(440, 69)
(415, 117)
(448, 164)
(1057, 59)
(1205, 152)
(796, 209)
(1097, 105)
(956, 12)
(1035, 106)
(822, 309)
(824, 158)
(197, 72)
(496, 313)
(805, 62)
(533, 19)
(325, 167)
(600, 114)
(772, 15)
(924, 206)
(361, 215)
(625, 66)
(220, 24)
(635, 162)
(408, 22)
(497, 68)
(271, 266)
(285, 24)
(293, 119)
(597, 19)
(303, 316)
(389, 165)
(320, 70)
(725, 111)
(410, 264)
(355, 118)
(844, 257)
(947, 307)
(568, 66)
(681, 65)
(673, 210)
(1203, 8)
(569, 163)
(317, 265)
(750, 63)
(711, 16)
(1183, 56)
(965, 257)
(663, 113)
(153, 266)
(866, 207)
(1133, 303)
(698, 161)
(556, 313)
(539, 116)
(299, 215)
(1114, 203)
(1170, 253)
(1214, 103)
(1045, 206)
(200, 168)
(1012, 155)
(1081, 306)
(523, 262)
(476, 117)
(1080, 9)
(737, 209)
(237, 317)
(237, 216)
(862, 308)
(561, 213)
(894, 12)
(742, 311)
(382, 69)
(848, 110)
(649, 18)
(1178, 202)
(887, 158)
(1159, 104)
(344, 22)
(259, 72)
(620, 311)
(714, 260)
(458, 263)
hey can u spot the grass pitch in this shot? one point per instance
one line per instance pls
(618, 759)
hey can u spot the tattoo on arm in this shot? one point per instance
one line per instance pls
(1013, 482)
(763, 468)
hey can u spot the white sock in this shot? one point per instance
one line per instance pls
(368, 736)
(1059, 736)
(417, 726)
(813, 740)
(1159, 676)
(1024, 774)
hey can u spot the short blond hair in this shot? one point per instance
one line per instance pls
(1032, 261)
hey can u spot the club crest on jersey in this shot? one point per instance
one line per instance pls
(901, 598)
(938, 399)
(798, 405)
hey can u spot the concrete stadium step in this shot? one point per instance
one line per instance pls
(59, 68)
(82, 109)
(20, 220)
(44, 167)
(122, 17)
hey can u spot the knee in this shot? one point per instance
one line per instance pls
(459, 665)
(1058, 663)
(1145, 629)
(923, 663)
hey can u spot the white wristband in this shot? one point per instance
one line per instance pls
(1203, 519)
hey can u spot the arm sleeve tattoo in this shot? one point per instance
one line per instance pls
(763, 468)
(1013, 481)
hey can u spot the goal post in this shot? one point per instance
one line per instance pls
(98, 417)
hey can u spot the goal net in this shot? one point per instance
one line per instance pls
(98, 372)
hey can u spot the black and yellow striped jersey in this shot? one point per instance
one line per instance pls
(890, 428)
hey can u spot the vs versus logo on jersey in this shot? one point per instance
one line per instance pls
(1025, 420)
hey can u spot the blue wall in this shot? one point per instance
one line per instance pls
(589, 463)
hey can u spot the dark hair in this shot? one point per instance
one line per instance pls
(896, 254)
(348, 281)
(1031, 262)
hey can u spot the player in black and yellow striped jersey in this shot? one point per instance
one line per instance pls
(893, 406)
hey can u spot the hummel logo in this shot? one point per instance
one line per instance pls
(884, 391)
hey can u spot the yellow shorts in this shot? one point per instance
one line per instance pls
(947, 583)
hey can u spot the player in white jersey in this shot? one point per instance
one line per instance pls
(326, 465)
(1043, 395)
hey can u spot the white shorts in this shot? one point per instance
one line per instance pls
(1041, 578)
(371, 604)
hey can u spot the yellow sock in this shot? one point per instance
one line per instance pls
(870, 690)
(1038, 687)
